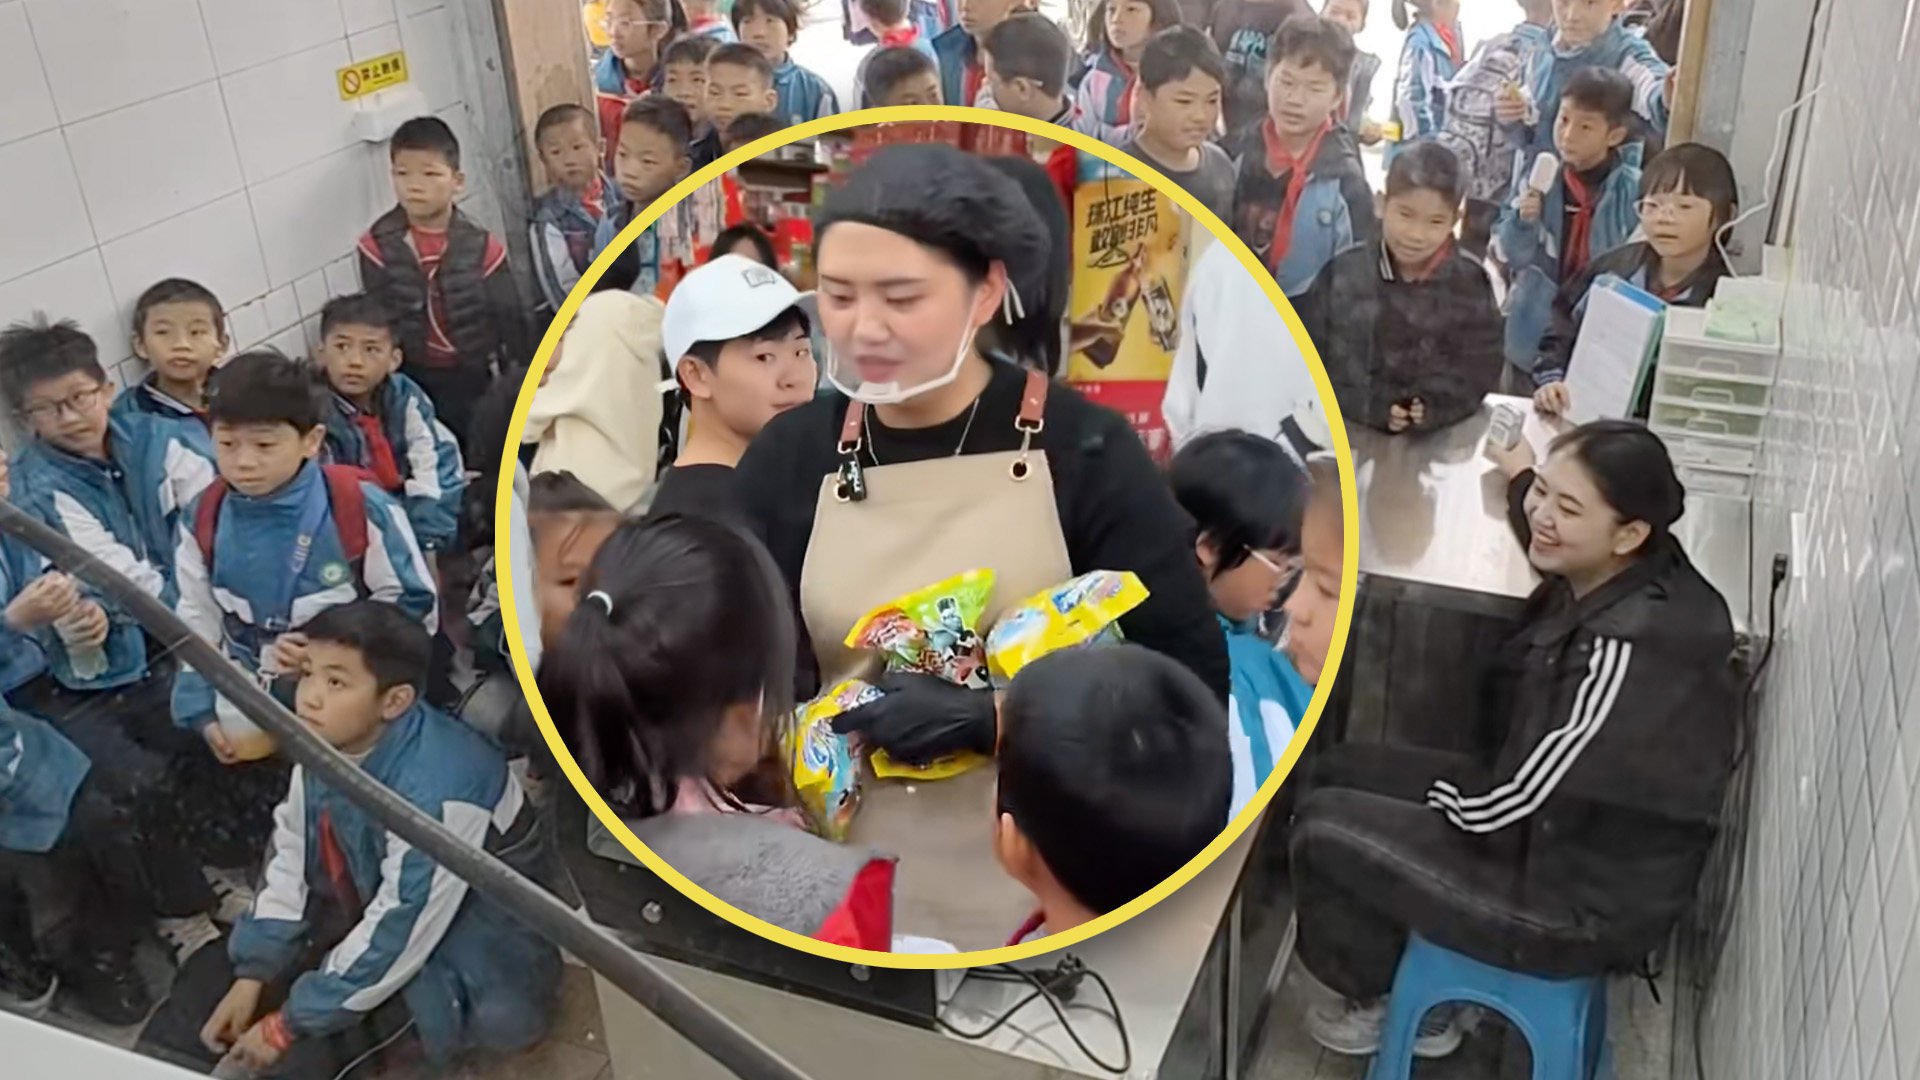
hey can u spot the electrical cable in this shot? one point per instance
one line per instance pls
(1066, 974)
(639, 977)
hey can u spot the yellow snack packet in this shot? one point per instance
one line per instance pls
(826, 775)
(1083, 611)
(932, 631)
(944, 768)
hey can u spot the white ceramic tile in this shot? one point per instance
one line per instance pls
(248, 324)
(145, 163)
(1906, 1004)
(311, 293)
(343, 277)
(42, 214)
(379, 41)
(312, 215)
(282, 309)
(289, 112)
(74, 289)
(362, 15)
(291, 342)
(310, 331)
(23, 85)
(103, 54)
(431, 55)
(250, 32)
(215, 245)
(415, 7)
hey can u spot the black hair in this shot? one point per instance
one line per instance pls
(392, 643)
(1426, 165)
(781, 325)
(745, 56)
(1401, 19)
(785, 10)
(1312, 39)
(1044, 286)
(39, 351)
(1631, 467)
(266, 387)
(1178, 52)
(750, 127)
(177, 291)
(1028, 45)
(1114, 764)
(887, 12)
(662, 114)
(561, 492)
(428, 133)
(691, 49)
(890, 66)
(355, 309)
(560, 116)
(1601, 90)
(680, 618)
(1244, 492)
(1166, 13)
(1697, 170)
(731, 236)
(665, 11)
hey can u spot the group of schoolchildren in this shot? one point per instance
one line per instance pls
(302, 516)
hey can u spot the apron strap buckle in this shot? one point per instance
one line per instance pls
(852, 483)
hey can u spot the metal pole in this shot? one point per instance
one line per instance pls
(639, 977)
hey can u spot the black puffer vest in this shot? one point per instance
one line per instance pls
(462, 281)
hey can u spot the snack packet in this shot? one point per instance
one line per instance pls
(1084, 611)
(826, 775)
(932, 631)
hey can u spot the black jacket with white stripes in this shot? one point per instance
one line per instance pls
(1623, 710)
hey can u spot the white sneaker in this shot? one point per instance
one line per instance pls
(188, 935)
(1353, 1029)
(235, 895)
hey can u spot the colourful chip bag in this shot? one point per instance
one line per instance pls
(932, 631)
(826, 775)
(1084, 611)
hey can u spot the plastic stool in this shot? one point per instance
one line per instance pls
(1564, 1020)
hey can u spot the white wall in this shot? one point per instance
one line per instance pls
(1821, 979)
(142, 139)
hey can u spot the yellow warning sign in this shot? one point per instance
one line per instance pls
(369, 76)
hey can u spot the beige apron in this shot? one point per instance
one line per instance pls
(924, 521)
(913, 525)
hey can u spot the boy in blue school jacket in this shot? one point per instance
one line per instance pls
(1245, 493)
(1588, 33)
(770, 27)
(355, 932)
(1549, 237)
(180, 331)
(1302, 195)
(566, 217)
(381, 422)
(273, 543)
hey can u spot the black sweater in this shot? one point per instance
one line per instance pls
(1116, 509)
(1386, 339)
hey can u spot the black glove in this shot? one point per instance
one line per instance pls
(923, 718)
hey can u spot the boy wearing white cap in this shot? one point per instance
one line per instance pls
(738, 340)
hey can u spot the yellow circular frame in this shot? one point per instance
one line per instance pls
(1349, 570)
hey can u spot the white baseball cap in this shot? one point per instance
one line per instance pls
(729, 297)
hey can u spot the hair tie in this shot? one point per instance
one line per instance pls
(605, 601)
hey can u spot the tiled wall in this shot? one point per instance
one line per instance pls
(142, 139)
(1821, 978)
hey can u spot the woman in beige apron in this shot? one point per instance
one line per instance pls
(935, 456)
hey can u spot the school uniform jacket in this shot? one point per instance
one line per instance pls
(1335, 208)
(1427, 67)
(40, 772)
(22, 657)
(476, 295)
(147, 397)
(1633, 263)
(1617, 48)
(1268, 702)
(562, 232)
(803, 95)
(471, 975)
(431, 478)
(1105, 98)
(122, 512)
(1387, 337)
(253, 543)
(958, 53)
(1621, 736)
(1534, 251)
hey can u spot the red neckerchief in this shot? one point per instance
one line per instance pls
(901, 38)
(970, 83)
(594, 199)
(333, 862)
(380, 461)
(1574, 252)
(1034, 922)
(1295, 168)
(1669, 293)
(1130, 75)
(1450, 37)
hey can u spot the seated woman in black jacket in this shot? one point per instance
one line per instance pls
(1576, 850)
(1407, 327)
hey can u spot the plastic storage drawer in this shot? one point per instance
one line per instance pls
(1685, 346)
(1699, 481)
(1693, 450)
(1675, 418)
(1707, 391)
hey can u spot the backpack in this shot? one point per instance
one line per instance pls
(346, 500)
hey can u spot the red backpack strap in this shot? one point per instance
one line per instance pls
(349, 503)
(206, 518)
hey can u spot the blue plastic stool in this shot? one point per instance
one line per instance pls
(1564, 1020)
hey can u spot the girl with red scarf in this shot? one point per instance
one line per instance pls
(1430, 58)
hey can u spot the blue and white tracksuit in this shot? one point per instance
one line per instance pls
(254, 541)
(1617, 48)
(1269, 700)
(562, 236)
(1105, 98)
(471, 975)
(1420, 88)
(147, 397)
(433, 478)
(22, 657)
(40, 772)
(803, 95)
(1533, 251)
(123, 512)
